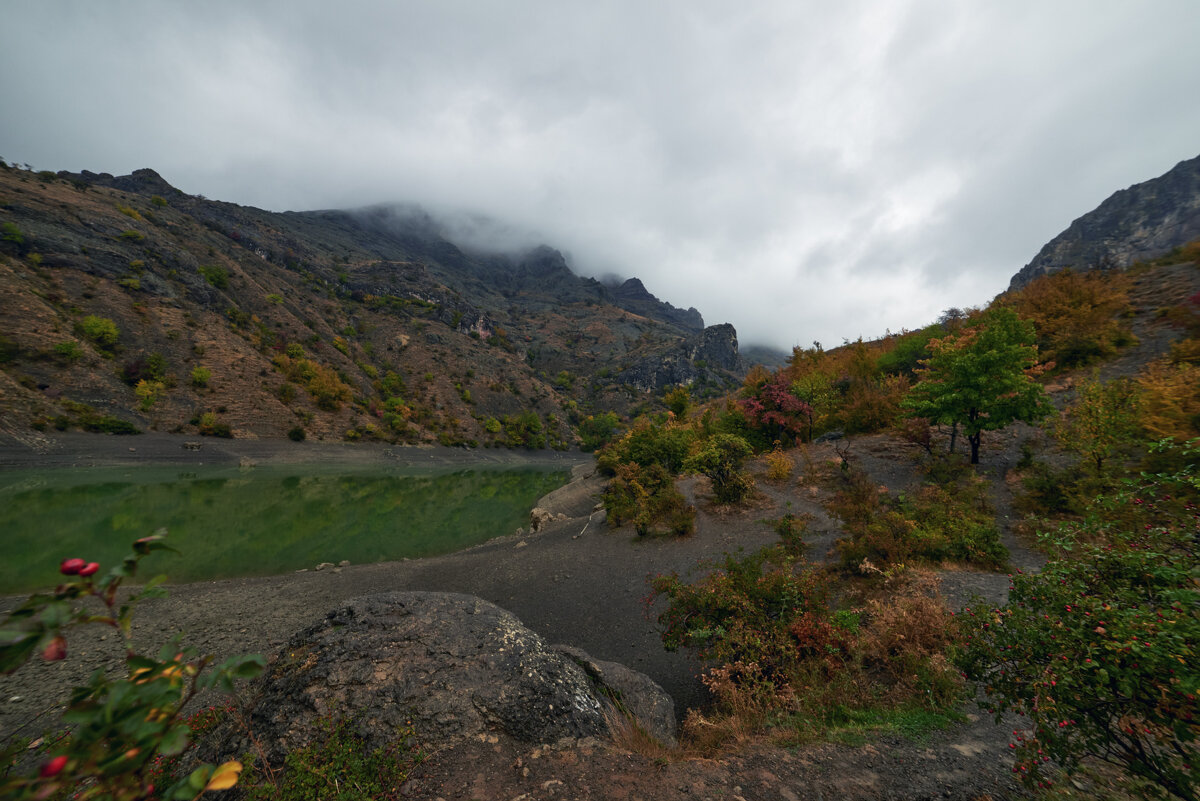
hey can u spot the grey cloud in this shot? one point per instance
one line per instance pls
(802, 170)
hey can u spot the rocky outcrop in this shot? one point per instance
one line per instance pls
(711, 358)
(1141, 222)
(632, 296)
(450, 666)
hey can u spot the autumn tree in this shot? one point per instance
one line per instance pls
(1103, 419)
(1075, 315)
(979, 380)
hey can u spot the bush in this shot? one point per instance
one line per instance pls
(647, 497)
(779, 465)
(121, 727)
(1098, 650)
(69, 351)
(524, 430)
(296, 434)
(144, 368)
(12, 235)
(935, 524)
(217, 277)
(649, 442)
(1075, 314)
(787, 658)
(721, 458)
(596, 431)
(773, 412)
(100, 331)
(148, 393)
(210, 426)
(200, 377)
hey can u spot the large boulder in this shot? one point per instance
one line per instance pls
(450, 666)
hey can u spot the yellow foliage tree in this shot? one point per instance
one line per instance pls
(1075, 315)
(1170, 400)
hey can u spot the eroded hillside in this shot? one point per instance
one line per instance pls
(130, 304)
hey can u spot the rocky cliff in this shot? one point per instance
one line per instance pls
(1141, 222)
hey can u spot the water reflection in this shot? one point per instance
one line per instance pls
(268, 520)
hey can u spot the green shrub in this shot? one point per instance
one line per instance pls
(69, 351)
(201, 376)
(101, 331)
(210, 426)
(132, 235)
(1098, 651)
(720, 458)
(647, 443)
(524, 430)
(10, 233)
(296, 434)
(647, 497)
(217, 277)
(596, 431)
(121, 728)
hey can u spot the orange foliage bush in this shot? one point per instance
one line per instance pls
(1075, 314)
(1170, 400)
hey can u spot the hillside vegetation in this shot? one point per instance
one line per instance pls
(132, 306)
(1097, 377)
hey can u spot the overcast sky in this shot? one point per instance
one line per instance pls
(803, 170)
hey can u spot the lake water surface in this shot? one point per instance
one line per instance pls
(229, 522)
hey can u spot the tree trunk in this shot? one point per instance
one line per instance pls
(974, 437)
(953, 435)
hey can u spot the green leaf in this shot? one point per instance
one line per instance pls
(17, 650)
(175, 740)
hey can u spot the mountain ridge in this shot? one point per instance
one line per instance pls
(417, 339)
(1143, 221)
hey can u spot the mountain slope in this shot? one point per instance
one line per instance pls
(364, 323)
(1141, 222)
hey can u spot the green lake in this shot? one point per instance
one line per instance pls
(228, 522)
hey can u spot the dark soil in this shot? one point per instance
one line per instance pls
(576, 582)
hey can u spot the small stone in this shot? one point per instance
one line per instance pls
(521, 544)
(15, 699)
(323, 565)
(344, 563)
(302, 570)
(336, 570)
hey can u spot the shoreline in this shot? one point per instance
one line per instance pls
(74, 449)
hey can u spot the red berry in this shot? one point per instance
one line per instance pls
(89, 569)
(55, 650)
(53, 767)
(71, 567)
